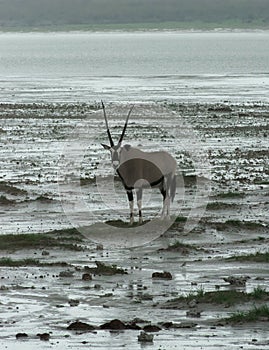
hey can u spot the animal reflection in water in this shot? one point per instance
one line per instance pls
(138, 170)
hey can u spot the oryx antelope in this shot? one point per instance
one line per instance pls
(138, 170)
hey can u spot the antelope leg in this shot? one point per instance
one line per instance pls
(131, 205)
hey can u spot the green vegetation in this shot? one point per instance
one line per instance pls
(180, 247)
(24, 262)
(257, 257)
(181, 219)
(227, 297)
(220, 205)
(10, 189)
(248, 225)
(133, 15)
(230, 195)
(256, 314)
(87, 181)
(6, 261)
(123, 224)
(103, 269)
(54, 239)
(259, 293)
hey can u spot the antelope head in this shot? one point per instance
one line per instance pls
(115, 150)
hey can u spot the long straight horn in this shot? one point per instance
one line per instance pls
(125, 125)
(107, 128)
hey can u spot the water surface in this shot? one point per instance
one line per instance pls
(86, 66)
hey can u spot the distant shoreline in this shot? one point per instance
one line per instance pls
(229, 26)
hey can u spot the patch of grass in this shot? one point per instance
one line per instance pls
(261, 182)
(257, 257)
(230, 195)
(200, 293)
(179, 247)
(259, 293)
(123, 224)
(87, 181)
(6, 201)
(256, 314)
(6, 261)
(67, 234)
(35, 241)
(220, 205)
(248, 225)
(4, 187)
(181, 219)
(103, 269)
(24, 262)
(228, 297)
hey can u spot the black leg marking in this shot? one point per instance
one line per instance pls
(139, 203)
(130, 196)
(131, 204)
(163, 192)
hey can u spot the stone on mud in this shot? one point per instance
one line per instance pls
(151, 328)
(162, 275)
(86, 277)
(80, 326)
(44, 336)
(114, 324)
(236, 281)
(21, 335)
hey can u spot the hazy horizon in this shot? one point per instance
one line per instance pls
(46, 13)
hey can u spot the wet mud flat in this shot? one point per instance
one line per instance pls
(203, 289)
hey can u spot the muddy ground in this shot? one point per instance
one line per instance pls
(55, 277)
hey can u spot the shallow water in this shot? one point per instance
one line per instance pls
(124, 67)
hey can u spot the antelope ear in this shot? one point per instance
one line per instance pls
(106, 146)
(127, 147)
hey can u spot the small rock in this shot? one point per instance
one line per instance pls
(45, 253)
(44, 336)
(132, 325)
(73, 302)
(236, 281)
(80, 326)
(3, 288)
(99, 247)
(86, 277)
(144, 337)
(151, 328)
(193, 313)
(21, 335)
(114, 324)
(167, 325)
(162, 275)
